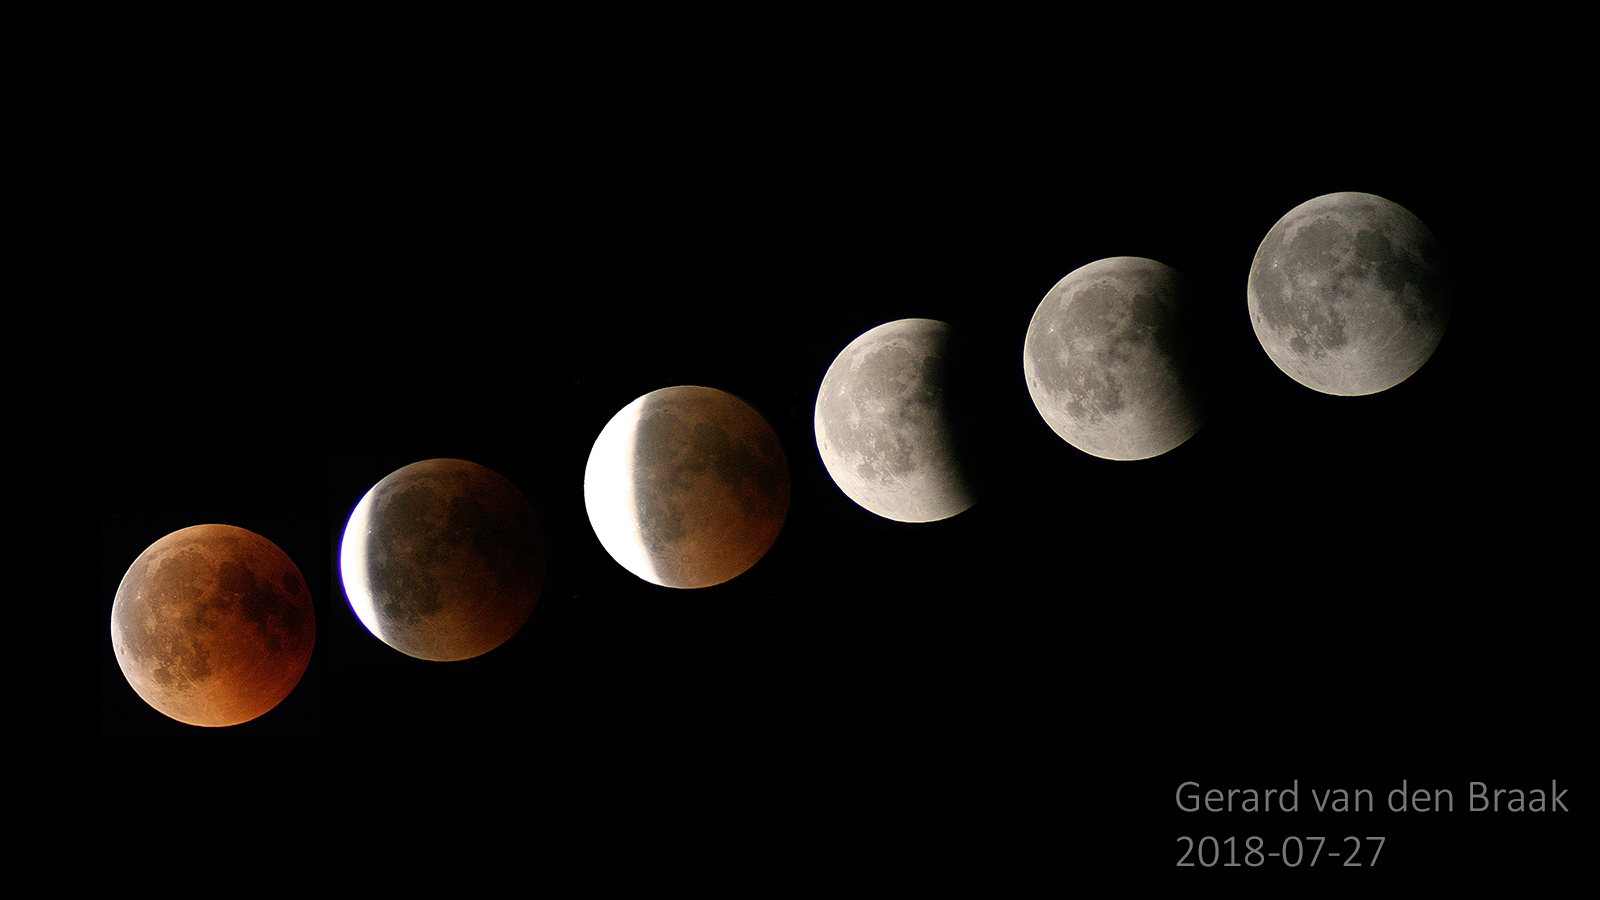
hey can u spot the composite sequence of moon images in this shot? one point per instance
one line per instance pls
(689, 486)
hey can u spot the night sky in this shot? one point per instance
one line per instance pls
(1312, 587)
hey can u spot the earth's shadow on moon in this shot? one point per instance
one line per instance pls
(445, 559)
(356, 470)
(976, 407)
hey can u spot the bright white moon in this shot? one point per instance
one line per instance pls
(1106, 359)
(1348, 294)
(884, 424)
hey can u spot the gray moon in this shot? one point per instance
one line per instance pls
(213, 625)
(687, 487)
(1108, 360)
(884, 428)
(1348, 294)
(443, 560)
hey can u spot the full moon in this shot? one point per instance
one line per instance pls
(1347, 294)
(687, 487)
(884, 426)
(213, 625)
(1107, 359)
(443, 560)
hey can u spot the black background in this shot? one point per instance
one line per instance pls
(1343, 591)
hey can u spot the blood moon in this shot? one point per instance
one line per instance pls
(213, 625)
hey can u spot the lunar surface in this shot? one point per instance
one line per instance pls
(1108, 360)
(687, 487)
(213, 625)
(443, 560)
(884, 423)
(1347, 294)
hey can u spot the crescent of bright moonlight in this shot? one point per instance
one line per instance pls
(687, 487)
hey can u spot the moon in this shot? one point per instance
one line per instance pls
(687, 487)
(1347, 294)
(213, 625)
(1108, 359)
(884, 423)
(443, 560)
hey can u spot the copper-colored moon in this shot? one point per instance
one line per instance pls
(213, 625)
(687, 487)
(443, 560)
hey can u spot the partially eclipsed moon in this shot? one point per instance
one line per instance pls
(1347, 294)
(443, 560)
(1107, 360)
(687, 487)
(213, 625)
(884, 427)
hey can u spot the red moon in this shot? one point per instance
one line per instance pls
(213, 625)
